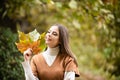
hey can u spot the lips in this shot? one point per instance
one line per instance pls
(48, 39)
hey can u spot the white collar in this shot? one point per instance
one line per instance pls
(52, 51)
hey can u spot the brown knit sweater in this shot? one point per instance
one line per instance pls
(63, 63)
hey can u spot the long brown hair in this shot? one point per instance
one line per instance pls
(64, 41)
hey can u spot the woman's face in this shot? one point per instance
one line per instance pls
(52, 37)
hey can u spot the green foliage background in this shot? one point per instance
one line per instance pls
(10, 58)
(94, 27)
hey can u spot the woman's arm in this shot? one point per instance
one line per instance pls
(71, 69)
(28, 72)
(26, 65)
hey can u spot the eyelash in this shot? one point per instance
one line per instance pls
(48, 31)
(52, 33)
(55, 34)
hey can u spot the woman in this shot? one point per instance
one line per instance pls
(56, 62)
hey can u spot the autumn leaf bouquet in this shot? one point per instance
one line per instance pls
(32, 40)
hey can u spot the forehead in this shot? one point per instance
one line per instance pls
(54, 28)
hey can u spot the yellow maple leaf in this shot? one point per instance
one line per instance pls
(31, 40)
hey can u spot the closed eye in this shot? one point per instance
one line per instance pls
(54, 33)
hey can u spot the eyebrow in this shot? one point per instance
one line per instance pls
(54, 31)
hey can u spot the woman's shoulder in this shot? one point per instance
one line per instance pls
(67, 57)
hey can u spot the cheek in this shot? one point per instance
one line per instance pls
(46, 36)
(57, 40)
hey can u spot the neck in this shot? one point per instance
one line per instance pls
(53, 51)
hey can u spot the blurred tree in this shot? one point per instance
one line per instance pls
(93, 24)
(113, 44)
(10, 58)
(107, 15)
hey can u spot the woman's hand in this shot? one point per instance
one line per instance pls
(27, 54)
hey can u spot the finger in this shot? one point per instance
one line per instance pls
(27, 52)
(30, 50)
(26, 57)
